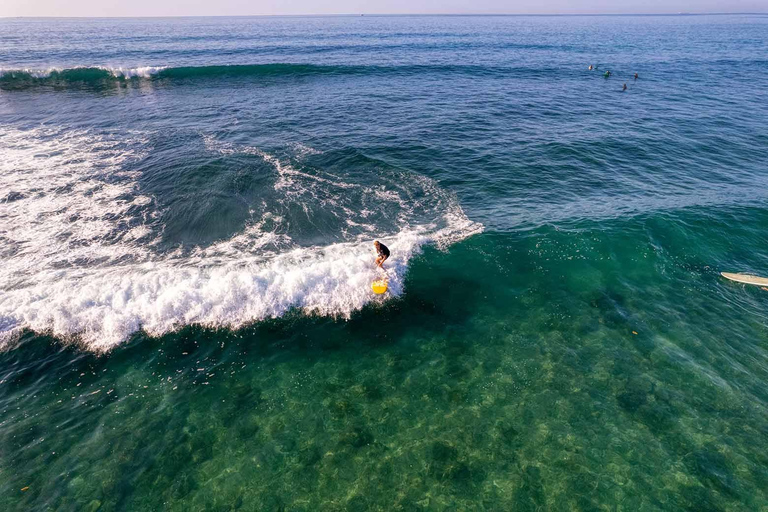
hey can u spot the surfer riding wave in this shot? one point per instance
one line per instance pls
(163, 272)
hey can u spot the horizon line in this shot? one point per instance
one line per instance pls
(329, 15)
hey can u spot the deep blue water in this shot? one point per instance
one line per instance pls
(187, 211)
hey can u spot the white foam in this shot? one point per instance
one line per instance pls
(35, 73)
(117, 72)
(105, 306)
(140, 72)
(64, 194)
(83, 264)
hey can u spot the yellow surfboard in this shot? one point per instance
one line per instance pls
(379, 286)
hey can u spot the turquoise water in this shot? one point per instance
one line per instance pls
(187, 216)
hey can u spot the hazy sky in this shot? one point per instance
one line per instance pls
(245, 7)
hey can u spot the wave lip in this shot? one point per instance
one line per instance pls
(141, 72)
(20, 78)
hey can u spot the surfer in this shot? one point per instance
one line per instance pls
(590, 67)
(625, 88)
(383, 253)
(636, 77)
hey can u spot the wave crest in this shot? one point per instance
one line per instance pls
(21, 77)
(103, 75)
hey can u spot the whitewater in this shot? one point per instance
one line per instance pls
(87, 259)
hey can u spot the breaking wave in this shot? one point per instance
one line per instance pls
(87, 258)
(101, 75)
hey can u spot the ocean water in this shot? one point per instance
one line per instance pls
(187, 211)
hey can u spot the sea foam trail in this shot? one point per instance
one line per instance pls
(81, 260)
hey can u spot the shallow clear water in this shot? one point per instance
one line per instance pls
(186, 214)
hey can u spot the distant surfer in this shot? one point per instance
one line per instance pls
(624, 88)
(383, 253)
(591, 67)
(636, 77)
(607, 74)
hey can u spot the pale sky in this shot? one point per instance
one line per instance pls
(251, 7)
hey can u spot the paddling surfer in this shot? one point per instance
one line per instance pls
(383, 253)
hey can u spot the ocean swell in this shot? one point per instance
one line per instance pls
(11, 79)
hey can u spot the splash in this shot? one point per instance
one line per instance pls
(83, 255)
